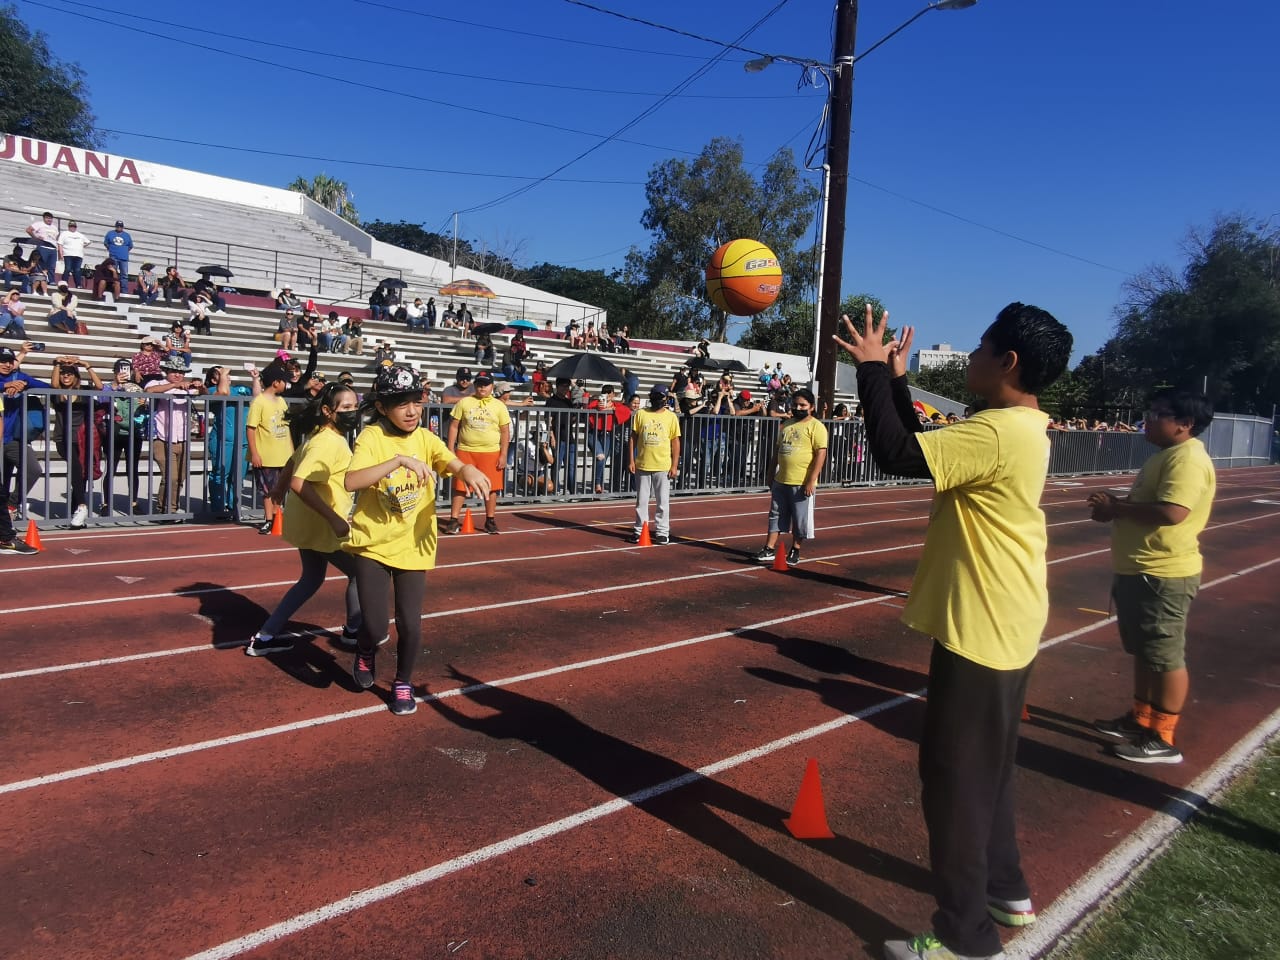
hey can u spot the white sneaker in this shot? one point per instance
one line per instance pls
(79, 517)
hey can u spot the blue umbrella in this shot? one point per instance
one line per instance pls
(520, 323)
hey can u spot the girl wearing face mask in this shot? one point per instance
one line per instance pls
(315, 517)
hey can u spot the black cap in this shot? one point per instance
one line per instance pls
(462, 374)
(484, 378)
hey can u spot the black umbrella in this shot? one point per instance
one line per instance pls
(22, 240)
(584, 366)
(214, 271)
(394, 283)
(708, 363)
(480, 328)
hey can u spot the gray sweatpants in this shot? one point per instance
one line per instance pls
(655, 484)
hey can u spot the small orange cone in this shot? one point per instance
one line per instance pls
(780, 558)
(32, 539)
(467, 525)
(1025, 714)
(644, 537)
(808, 820)
(277, 523)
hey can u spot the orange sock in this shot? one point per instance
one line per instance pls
(1142, 712)
(1163, 724)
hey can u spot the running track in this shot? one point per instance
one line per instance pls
(609, 739)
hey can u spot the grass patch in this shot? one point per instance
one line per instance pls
(1213, 894)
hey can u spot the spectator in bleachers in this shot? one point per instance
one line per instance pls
(450, 319)
(353, 330)
(128, 419)
(19, 471)
(513, 361)
(534, 458)
(465, 320)
(779, 405)
(563, 427)
(701, 349)
(71, 244)
(75, 435)
(147, 285)
(16, 268)
(484, 350)
(415, 315)
(174, 286)
(539, 375)
(146, 362)
(11, 311)
(170, 419)
(302, 382)
(328, 332)
(307, 331)
(177, 344)
(106, 279)
(743, 438)
(622, 341)
(630, 384)
(431, 313)
(506, 393)
(600, 426)
(209, 290)
(462, 386)
(571, 333)
(591, 339)
(198, 307)
(285, 300)
(287, 330)
(36, 274)
(63, 307)
(384, 354)
(605, 338)
(45, 233)
(118, 244)
(378, 303)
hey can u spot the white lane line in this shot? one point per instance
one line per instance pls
(385, 891)
(1123, 865)
(133, 761)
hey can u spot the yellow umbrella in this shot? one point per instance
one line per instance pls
(467, 288)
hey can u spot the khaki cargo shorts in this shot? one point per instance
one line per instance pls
(1152, 614)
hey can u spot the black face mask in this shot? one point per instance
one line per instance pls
(801, 414)
(347, 420)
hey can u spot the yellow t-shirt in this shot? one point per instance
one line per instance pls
(266, 416)
(480, 424)
(798, 443)
(322, 460)
(395, 519)
(981, 588)
(1183, 475)
(653, 432)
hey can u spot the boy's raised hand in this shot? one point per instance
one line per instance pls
(867, 347)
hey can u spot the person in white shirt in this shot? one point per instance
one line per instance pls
(416, 314)
(45, 233)
(71, 244)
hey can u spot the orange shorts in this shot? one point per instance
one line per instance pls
(486, 463)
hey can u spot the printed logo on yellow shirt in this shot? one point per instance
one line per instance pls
(400, 492)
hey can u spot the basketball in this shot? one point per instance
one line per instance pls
(743, 278)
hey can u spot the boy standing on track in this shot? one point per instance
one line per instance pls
(1155, 551)
(654, 459)
(270, 445)
(981, 591)
(802, 451)
(479, 433)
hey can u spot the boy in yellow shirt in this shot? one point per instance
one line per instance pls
(270, 445)
(479, 433)
(981, 592)
(654, 459)
(793, 479)
(1155, 552)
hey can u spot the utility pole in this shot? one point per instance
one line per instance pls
(841, 127)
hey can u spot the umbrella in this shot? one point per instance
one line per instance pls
(22, 240)
(214, 271)
(520, 323)
(492, 327)
(392, 283)
(467, 288)
(584, 366)
(707, 363)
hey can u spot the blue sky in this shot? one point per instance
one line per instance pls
(1102, 129)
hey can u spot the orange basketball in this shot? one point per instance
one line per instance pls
(743, 278)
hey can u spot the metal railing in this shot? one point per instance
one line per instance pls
(113, 462)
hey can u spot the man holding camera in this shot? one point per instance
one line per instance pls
(171, 420)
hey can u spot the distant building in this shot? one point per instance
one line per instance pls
(940, 354)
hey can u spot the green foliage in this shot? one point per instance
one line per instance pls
(696, 205)
(1219, 319)
(412, 236)
(40, 96)
(604, 290)
(785, 330)
(330, 193)
(946, 380)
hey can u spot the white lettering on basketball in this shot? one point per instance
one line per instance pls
(762, 262)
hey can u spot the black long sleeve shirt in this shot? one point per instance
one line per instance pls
(891, 422)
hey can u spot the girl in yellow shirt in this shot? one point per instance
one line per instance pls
(315, 517)
(393, 528)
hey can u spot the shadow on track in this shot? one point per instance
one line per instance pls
(694, 807)
(232, 617)
(609, 530)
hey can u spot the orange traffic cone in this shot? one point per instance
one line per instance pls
(1025, 714)
(808, 820)
(32, 539)
(780, 558)
(277, 523)
(467, 525)
(644, 537)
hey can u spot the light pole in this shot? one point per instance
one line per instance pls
(837, 162)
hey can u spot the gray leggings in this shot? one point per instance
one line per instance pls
(314, 567)
(375, 581)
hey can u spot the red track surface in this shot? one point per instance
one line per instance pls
(113, 851)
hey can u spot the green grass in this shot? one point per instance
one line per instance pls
(1213, 895)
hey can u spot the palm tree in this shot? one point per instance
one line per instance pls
(330, 193)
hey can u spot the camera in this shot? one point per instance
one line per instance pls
(37, 347)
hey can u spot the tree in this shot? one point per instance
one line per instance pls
(413, 236)
(330, 193)
(946, 380)
(696, 205)
(1218, 322)
(600, 289)
(41, 96)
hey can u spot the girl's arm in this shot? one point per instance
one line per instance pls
(307, 493)
(368, 476)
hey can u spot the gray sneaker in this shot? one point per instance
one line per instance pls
(16, 546)
(261, 646)
(763, 555)
(1121, 728)
(1149, 748)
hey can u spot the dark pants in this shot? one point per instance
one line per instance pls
(310, 580)
(967, 757)
(73, 454)
(73, 270)
(127, 447)
(374, 584)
